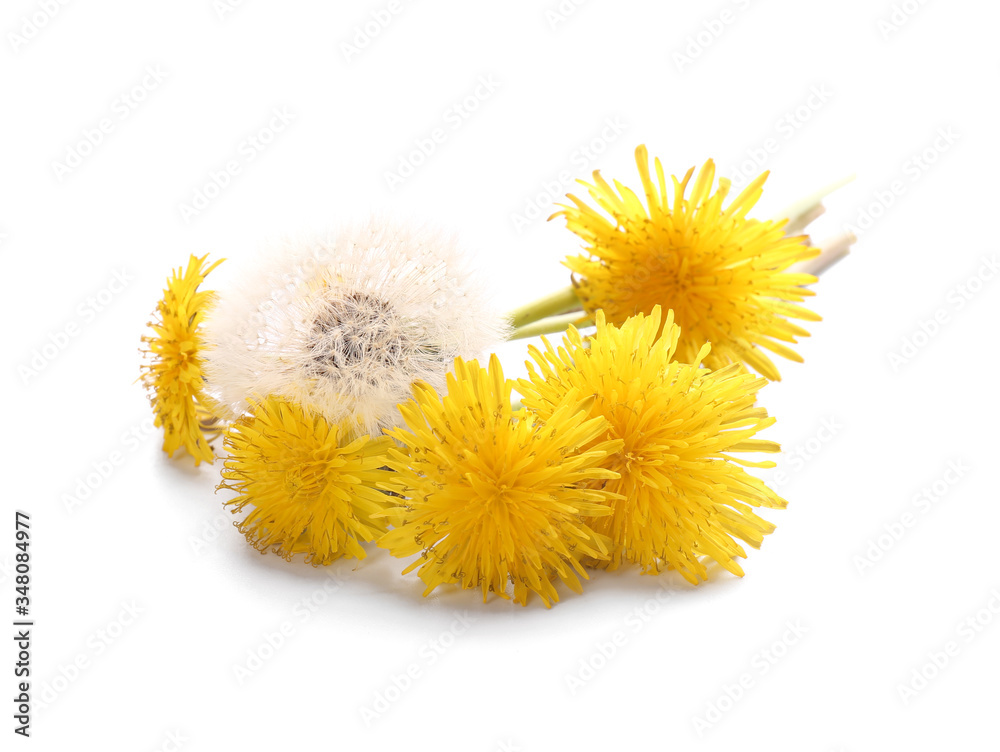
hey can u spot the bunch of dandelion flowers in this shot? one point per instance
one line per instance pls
(311, 486)
(344, 324)
(731, 280)
(493, 495)
(173, 373)
(680, 495)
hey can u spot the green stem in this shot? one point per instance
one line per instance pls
(805, 205)
(561, 301)
(551, 325)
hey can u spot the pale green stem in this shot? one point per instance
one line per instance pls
(831, 251)
(801, 209)
(801, 214)
(797, 225)
(552, 325)
(558, 302)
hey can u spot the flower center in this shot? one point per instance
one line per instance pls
(356, 328)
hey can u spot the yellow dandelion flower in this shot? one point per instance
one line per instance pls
(680, 495)
(494, 495)
(173, 375)
(312, 488)
(722, 273)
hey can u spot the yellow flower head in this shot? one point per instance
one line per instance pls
(310, 489)
(493, 495)
(680, 496)
(722, 273)
(173, 375)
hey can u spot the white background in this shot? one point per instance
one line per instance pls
(153, 536)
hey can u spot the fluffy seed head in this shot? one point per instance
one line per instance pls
(344, 324)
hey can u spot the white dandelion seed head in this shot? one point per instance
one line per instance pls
(345, 324)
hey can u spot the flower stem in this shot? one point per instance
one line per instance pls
(561, 301)
(802, 212)
(551, 325)
(832, 251)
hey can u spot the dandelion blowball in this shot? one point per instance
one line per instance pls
(345, 324)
